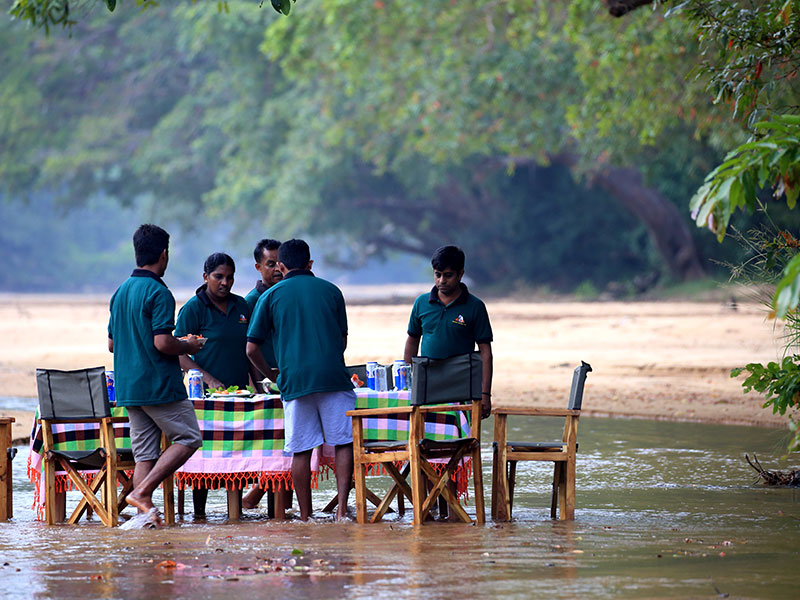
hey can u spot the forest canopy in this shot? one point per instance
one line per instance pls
(557, 144)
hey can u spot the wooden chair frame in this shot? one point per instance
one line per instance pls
(507, 454)
(111, 501)
(562, 454)
(6, 455)
(104, 481)
(415, 453)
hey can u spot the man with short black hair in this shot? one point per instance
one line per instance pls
(449, 320)
(266, 256)
(307, 319)
(148, 377)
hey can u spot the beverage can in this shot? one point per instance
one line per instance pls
(112, 397)
(195, 383)
(372, 366)
(400, 373)
(381, 385)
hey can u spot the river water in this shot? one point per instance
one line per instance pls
(664, 510)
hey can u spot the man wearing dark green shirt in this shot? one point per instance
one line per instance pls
(266, 256)
(450, 321)
(148, 378)
(307, 318)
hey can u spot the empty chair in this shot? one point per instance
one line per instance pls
(81, 396)
(562, 453)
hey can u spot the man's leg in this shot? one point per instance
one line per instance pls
(344, 477)
(301, 477)
(140, 472)
(178, 422)
(173, 457)
(253, 497)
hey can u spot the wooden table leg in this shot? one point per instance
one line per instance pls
(234, 504)
(181, 501)
(60, 507)
(283, 500)
(199, 498)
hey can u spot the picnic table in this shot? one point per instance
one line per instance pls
(243, 443)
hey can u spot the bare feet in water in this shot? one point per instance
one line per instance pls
(142, 503)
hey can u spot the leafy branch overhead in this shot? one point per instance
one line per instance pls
(750, 62)
(45, 14)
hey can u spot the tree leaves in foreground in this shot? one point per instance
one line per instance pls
(751, 62)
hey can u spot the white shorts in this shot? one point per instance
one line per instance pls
(316, 418)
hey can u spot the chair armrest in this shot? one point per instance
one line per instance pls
(118, 419)
(445, 408)
(369, 412)
(537, 412)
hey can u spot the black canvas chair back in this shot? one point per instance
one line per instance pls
(72, 395)
(578, 381)
(360, 370)
(455, 379)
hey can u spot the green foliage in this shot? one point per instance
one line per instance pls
(734, 184)
(750, 61)
(780, 383)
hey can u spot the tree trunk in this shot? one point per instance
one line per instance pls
(661, 217)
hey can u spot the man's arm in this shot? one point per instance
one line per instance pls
(110, 344)
(485, 350)
(411, 349)
(257, 359)
(166, 343)
(187, 364)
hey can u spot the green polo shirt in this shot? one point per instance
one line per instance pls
(224, 355)
(141, 308)
(307, 318)
(266, 348)
(449, 330)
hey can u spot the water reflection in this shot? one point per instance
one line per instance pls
(663, 510)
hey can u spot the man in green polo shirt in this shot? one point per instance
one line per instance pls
(266, 256)
(307, 318)
(450, 321)
(148, 377)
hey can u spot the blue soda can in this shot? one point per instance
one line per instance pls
(372, 367)
(112, 397)
(400, 372)
(195, 383)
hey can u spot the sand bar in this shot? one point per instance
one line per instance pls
(660, 360)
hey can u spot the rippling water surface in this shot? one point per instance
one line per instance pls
(664, 510)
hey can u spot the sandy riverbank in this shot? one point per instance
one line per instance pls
(661, 360)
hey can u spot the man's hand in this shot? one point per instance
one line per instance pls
(194, 343)
(486, 406)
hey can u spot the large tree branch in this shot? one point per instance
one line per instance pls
(620, 8)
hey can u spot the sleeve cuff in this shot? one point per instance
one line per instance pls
(258, 341)
(162, 331)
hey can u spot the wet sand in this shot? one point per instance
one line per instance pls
(658, 360)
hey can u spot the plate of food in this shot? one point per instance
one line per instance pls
(231, 392)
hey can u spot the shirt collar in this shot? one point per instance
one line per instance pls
(147, 273)
(462, 298)
(296, 272)
(261, 287)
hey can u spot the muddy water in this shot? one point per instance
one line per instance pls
(664, 510)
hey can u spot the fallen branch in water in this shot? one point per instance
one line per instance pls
(774, 478)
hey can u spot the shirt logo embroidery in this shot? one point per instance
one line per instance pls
(242, 319)
(459, 320)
